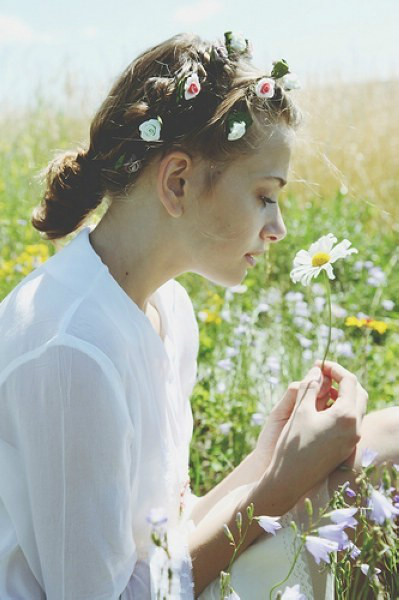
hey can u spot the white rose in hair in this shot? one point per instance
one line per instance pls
(265, 88)
(150, 130)
(236, 131)
(238, 42)
(290, 82)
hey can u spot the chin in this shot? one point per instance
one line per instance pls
(224, 279)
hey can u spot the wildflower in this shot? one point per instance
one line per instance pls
(338, 311)
(376, 277)
(231, 351)
(320, 548)
(157, 516)
(232, 596)
(381, 507)
(368, 456)
(344, 516)
(354, 550)
(350, 493)
(345, 349)
(269, 524)
(294, 296)
(221, 387)
(304, 342)
(334, 533)
(224, 428)
(225, 364)
(293, 593)
(257, 419)
(320, 256)
(379, 326)
(365, 569)
(388, 304)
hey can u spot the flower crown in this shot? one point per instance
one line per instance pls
(189, 87)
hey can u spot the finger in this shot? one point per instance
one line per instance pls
(325, 386)
(333, 370)
(310, 386)
(326, 400)
(347, 381)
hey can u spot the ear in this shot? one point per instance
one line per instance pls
(173, 172)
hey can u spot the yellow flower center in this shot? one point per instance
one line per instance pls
(320, 258)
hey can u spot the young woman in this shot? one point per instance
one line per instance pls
(99, 346)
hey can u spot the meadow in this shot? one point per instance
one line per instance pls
(259, 336)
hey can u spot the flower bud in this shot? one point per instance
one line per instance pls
(228, 532)
(309, 506)
(239, 521)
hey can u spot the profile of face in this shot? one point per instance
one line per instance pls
(241, 215)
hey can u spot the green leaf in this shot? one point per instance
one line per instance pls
(280, 68)
(238, 115)
(119, 162)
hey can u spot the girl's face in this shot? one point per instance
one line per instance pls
(241, 214)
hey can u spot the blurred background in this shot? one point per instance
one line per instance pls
(60, 48)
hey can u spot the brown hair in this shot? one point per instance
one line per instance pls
(77, 181)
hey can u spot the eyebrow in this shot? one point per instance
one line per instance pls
(281, 181)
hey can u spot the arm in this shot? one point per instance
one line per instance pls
(311, 445)
(250, 470)
(73, 432)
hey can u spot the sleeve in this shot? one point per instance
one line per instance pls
(75, 438)
(188, 333)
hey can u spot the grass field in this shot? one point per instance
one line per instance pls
(256, 338)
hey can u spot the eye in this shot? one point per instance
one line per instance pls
(267, 200)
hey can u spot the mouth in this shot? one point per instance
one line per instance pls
(250, 259)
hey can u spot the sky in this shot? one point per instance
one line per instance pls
(73, 50)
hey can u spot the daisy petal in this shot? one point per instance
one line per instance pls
(302, 258)
(329, 270)
(341, 250)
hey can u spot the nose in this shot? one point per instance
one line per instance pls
(274, 230)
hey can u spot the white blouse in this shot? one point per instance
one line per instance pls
(95, 428)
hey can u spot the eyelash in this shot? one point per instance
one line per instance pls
(267, 200)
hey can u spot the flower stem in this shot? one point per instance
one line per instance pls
(289, 572)
(328, 293)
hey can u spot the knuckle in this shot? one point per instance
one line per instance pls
(352, 378)
(294, 386)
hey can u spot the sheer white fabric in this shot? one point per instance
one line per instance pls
(95, 427)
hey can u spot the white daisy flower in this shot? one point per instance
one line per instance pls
(321, 255)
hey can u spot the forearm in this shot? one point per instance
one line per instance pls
(250, 470)
(209, 547)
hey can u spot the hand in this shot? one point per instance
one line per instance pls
(333, 369)
(316, 438)
(281, 413)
